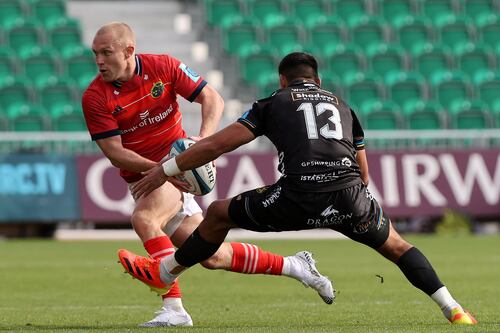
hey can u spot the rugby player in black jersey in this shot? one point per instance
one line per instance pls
(324, 181)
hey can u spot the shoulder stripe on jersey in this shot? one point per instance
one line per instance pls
(246, 123)
(138, 67)
(106, 134)
(197, 91)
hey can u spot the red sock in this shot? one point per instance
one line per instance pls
(158, 248)
(250, 259)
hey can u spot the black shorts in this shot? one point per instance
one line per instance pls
(352, 211)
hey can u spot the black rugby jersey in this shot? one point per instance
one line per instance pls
(316, 134)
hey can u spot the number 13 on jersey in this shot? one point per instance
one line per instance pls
(311, 120)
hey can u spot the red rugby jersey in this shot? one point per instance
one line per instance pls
(143, 110)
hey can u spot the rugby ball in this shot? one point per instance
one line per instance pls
(202, 179)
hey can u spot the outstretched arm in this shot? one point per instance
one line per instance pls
(202, 152)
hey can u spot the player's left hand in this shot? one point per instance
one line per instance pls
(153, 178)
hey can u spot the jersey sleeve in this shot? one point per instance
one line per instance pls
(101, 124)
(253, 119)
(187, 82)
(358, 134)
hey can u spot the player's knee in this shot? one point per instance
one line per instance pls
(143, 225)
(217, 215)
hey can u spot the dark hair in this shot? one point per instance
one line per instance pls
(298, 65)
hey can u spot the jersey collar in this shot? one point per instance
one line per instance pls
(301, 82)
(137, 71)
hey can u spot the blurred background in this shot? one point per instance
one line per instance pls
(423, 76)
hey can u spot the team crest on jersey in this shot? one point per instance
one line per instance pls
(157, 89)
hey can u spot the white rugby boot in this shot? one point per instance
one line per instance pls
(302, 267)
(172, 313)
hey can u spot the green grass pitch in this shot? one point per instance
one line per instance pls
(50, 286)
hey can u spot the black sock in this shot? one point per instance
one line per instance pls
(418, 270)
(194, 250)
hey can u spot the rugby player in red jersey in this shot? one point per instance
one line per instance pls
(132, 113)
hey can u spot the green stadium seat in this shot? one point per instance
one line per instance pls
(27, 117)
(4, 123)
(48, 10)
(472, 58)
(495, 112)
(19, 91)
(9, 64)
(217, 10)
(454, 31)
(449, 86)
(476, 8)
(349, 10)
(436, 8)
(384, 59)
(413, 31)
(424, 114)
(81, 68)
(403, 87)
(239, 34)
(24, 38)
(57, 94)
(266, 10)
(488, 27)
(466, 114)
(259, 68)
(307, 10)
(284, 37)
(331, 83)
(381, 115)
(11, 13)
(431, 58)
(41, 66)
(361, 88)
(326, 35)
(68, 118)
(488, 86)
(392, 10)
(65, 36)
(268, 88)
(345, 60)
(367, 31)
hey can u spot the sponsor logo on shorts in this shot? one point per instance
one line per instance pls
(261, 189)
(330, 216)
(361, 228)
(272, 197)
(157, 89)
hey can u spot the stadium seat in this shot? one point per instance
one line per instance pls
(26, 37)
(48, 10)
(326, 35)
(383, 59)
(466, 114)
(349, 10)
(68, 117)
(403, 87)
(412, 31)
(367, 31)
(65, 36)
(449, 86)
(488, 27)
(259, 68)
(345, 60)
(431, 58)
(11, 13)
(454, 31)
(56, 94)
(361, 88)
(472, 58)
(266, 89)
(217, 10)
(332, 83)
(495, 112)
(41, 66)
(266, 11)
(424, 114)
(488, 86)
(381, 115)
(19, 91)
(392, 10)
(81, 68)
(8, 62)
(284, 37)
(307, 10)
(27, 117)
(476, 8)
(239, 34)
(433, 9)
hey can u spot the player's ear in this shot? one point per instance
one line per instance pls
(283, 82)
(317, 80)
(129, 51)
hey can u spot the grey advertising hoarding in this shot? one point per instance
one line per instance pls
(407, 184)
(38, 188)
